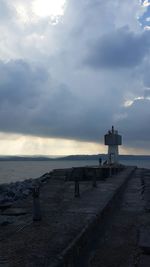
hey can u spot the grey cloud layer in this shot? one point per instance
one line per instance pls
(119, 49)
(72, 80)
(31, 104)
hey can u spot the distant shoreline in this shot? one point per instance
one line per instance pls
(71, 157)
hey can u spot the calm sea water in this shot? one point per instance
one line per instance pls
(11, 171)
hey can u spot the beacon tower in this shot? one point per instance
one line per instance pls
(113, 140)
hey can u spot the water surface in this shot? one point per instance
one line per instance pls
(11, 171)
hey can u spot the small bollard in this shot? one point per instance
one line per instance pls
(36, 204)
(100, 162)
(76, 188)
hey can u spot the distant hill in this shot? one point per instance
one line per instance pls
(83, 157)
(23, 158)
(72, 157)
(104, 157)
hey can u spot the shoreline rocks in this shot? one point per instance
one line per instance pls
(21, 189)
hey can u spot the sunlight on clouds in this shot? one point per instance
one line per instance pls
(147, 28)
(130, 102)
(23, 13)
(146, 3)
(45, 8)
(15, 144)
(133, 151)
(40, 9)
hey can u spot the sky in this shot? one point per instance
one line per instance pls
(69, 70)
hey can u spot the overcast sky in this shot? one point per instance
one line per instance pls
(69, 70)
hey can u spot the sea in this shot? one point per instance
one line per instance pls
(12, 171)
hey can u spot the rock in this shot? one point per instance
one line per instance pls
(26, 192)
(11, 194)
(3, 188)
(19, 190)
(6, 205)
(45, 177)
(5, 221)
(14, 212)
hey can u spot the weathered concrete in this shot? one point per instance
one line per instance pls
(87, 173)
(144, 261)
(125, 239)
(68, 223)
(144, 240)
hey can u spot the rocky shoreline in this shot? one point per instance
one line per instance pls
(21, 189)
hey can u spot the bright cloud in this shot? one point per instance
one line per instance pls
(28, 145)
(33, 11)
(146, 3)
(45, 8)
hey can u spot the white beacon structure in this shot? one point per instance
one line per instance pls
(113, 140)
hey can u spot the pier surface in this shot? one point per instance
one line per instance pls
(105, 226)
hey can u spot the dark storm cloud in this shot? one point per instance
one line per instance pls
(21, 87)
(31, 103)
(19, 82)
(119, 49)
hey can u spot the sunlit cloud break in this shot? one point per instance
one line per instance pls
(147, 28)
(146, 3)
(40, 9)
(45, 8)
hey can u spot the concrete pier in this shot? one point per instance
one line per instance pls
(69, 225)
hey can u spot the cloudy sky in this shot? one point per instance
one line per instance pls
(69, 70)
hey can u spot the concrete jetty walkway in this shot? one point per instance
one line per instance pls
(125, 241)
(67, 224)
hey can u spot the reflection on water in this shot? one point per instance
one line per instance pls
(11, 171)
